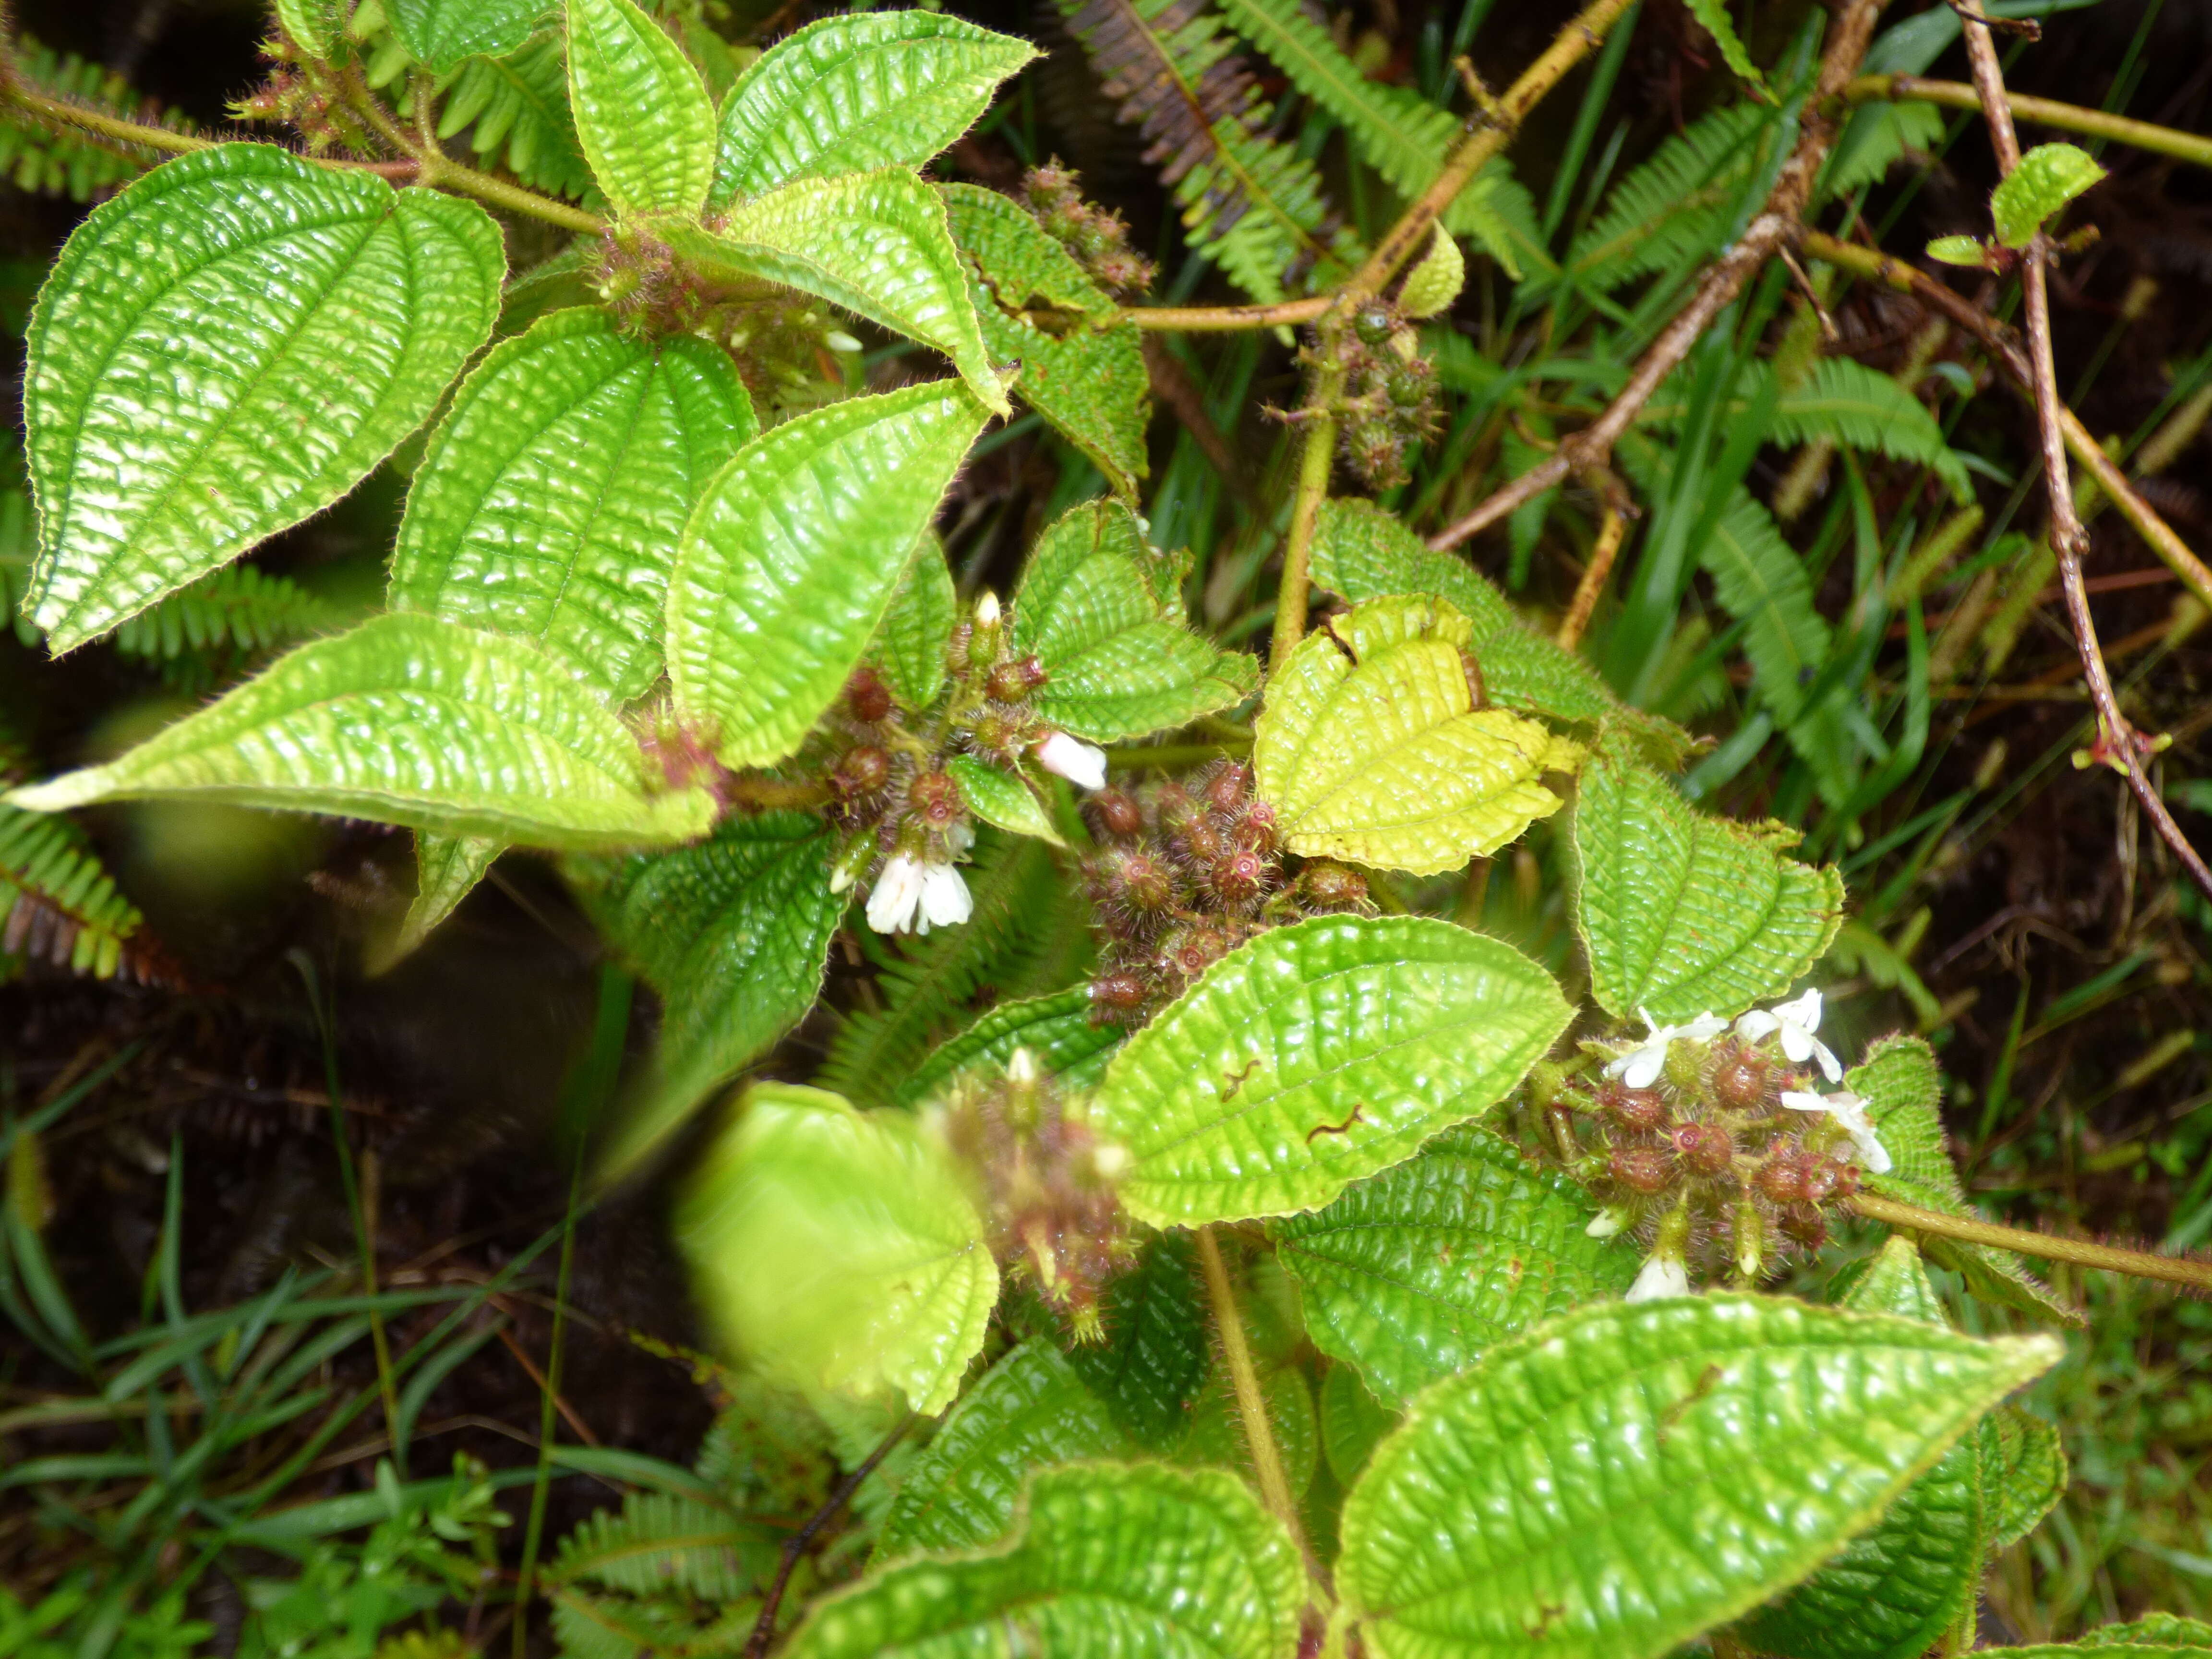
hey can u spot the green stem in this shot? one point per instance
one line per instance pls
(1169, 755)
(112, 127)
(2043, 112)
(439, 170)
(2142, 1264)
(1294, 593)
(1200, 320)
(1244, 1378)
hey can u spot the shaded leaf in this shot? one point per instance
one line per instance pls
(1001, 798)
(1057, 1030)
(439, 33)
(641, 111)
(1152, 1366)
(2023, 1477)
(1353, 1422)
(909, 646)
(1713, 14)
(447, 870)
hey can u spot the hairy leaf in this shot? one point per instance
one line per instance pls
(642, 111)
(225, 348)
(1369, 747)
(2047, 179)
(791, 557)
(1030, 1411)
(1082, 370)
(447, 870)
(2152, 1630)
(733, 932)
(40, 156)
(439, 33)
(838, 1249)
(847, 94)
(1316, 1055)
(414, 720)
(1148, 1560)
(1057, 1030)
(1609, 1486)
(1152, 1367)
(1001, 798)
(1099, 607)
(1412, 1274)
(1683, 914)
(1353, 1422)
(1214, 1433)
(909, 648)
(2023, 1474)
(552, 496)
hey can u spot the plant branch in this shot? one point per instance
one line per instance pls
(1202, 319)
(795, 1545)
(1244, 1378)
(1294, 593)
(2043, 112)
(2142, 1264)
(1610, 534)
(61, 111)
(433, 168)
(1772, 230)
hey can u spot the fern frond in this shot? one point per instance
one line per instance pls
(1248, 200)
(586, 1627)
(1674, 209)
(54, 159)
(519, 107)
(1713, 16)
(237, 610)
(661, 1545)
(1860, 408)
(58, 903)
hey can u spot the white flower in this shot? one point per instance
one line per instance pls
(1796, 1022)
(908, 889)
(837, 340)
(1851, 1111)
(1662, 1276)
(986, 611)
(1606, 1222)
(1078, 762)
(1639, 1068)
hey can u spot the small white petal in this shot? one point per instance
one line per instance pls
(959, 837)
(1872, 1153)
(945, 898)
(1606, 1223)
(1704, 1029)
(1643, 1067)
(1662, 1276)
(1756, 1025)
(898, 891)
(1798, 1100)
(1079, 763)
(837, 340)
(986, 611)
(1803, 1011)
(1831, 1067)
(1797, 1042)
(840, 878)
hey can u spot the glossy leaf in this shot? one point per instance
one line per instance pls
(439, 33)
(2152, 1630)
(642, 113)
(2047, 179)
(791, 559)
(1136, 1560)
(1370, 748)
(849, 94)
(1684, 914)
(2023, 1474)
(733, 932)
(312, 24)
(1101, 609)
(1361, 552)
(413, 720)
(1152, 1366)
(447, 870)
(838, 1249)
(1316, 1055)
(2191, 1650)
(1413, 1275)
(552, 498)
(909, 648)
(1001, 798)
(225, 348)
(875, 243)
(1611, 1484)
(1892, 1591)
(1057, 1030)
(1353, 1422)
(1030, 1411)
(1082, 369)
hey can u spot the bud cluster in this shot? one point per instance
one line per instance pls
(303, 96)
(642, 283)
(1097, 237)
(1184, 872)
(1390, 403)
(1046, 1186)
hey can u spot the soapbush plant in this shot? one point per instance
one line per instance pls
(667, 602)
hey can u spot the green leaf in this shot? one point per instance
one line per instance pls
(1081, 369)
(1152, 1367)
(1361, 552)
(1316, 1055)
(733, 932)
(1966, 250)
(1436, 281)
(516, 109)
(1893, 1590)
(551, 499)
(2023, 1474)
(838, 1249)
(1714, 15)
(1030, 1411)
(1213, 1435)
(1370, 748)
(1673, 210)
(447, 870)
(1001, 798)
(58, 902)
(1136, 1560)
(1608, 1485)
(1101, 609)
(791, 559)
(660, 1542)
(642, 113)
(1057, 1030)
(2152, 1630)
(875, 243)
(1903, 1087)
(439, 33)
(2186, 1649)
(909, 646)
(1685, 915)
(1413, 1275)
(847, 94)
(224, 349)
(2047, 179)
(312, 24)
(1353, 1422)
(413, 720)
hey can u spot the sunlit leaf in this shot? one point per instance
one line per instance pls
(439, 33)
(1001, 798)
(642, 113)
(2047, 179)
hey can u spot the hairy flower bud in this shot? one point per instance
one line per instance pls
(1705, 1147)
(1326, 885)
(1013, 682)
(863, 771)
(935, 799)
(1645, 1169)
(1115, 812)
(1226, 786)
(1643, 1110)
(866, 697)
(1740, 1078)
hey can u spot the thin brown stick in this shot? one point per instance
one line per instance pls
(1774, 227)
(2042, 112)
(537, 1377)
(1610, 532)
(2141, 1264)
(795, 1545)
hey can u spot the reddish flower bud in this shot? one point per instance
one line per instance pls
(1781, 1179)
(1705, 1147)
(1641, 1109)
(1119, 991)
(935, 799)
(1226, 786)
(1329, 886)
(1202, 840)
(1255, 827)
(1115, 812)
(1138, 880)
(866, 697)
(1645, 1169)
(1237, 875)
(1013, 682)
(863, 771)
(1740, 1078)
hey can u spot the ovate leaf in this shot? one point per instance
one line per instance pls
(1313, 1055)
(1001, 798)
(1057, 1030)
(1082, 369)
(909, 649)
(1609, 1486)
(1683, 914)
(733, 932)
(790, 560)
(642, 113)
(1101, 609)
(847, 94)
(414, 720)
(1030, 1413)
(1139, 1560)
(1151, 1368)
(439, 33)
(838, 1249)
(551, 499)
(1412, 1275)
(225, 348)
(1369, 747)
(875, 243)
(2047, 179)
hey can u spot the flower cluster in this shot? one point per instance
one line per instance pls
(1709, 1142)
(1185, 871)
(1390, 396)
(1098, 238)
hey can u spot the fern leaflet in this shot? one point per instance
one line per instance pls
(661, 1543)
(1673, 210)
(1860, 408)
(58, 903)
(1713, 16)
(518, 106)
(232, 612)
(57, 159)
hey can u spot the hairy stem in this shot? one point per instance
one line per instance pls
(2042, 112)
(1244, 1378)
(1294, 593)
(1609, 537)
(61, 111)
(1203, 320)
(2142, 1264)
